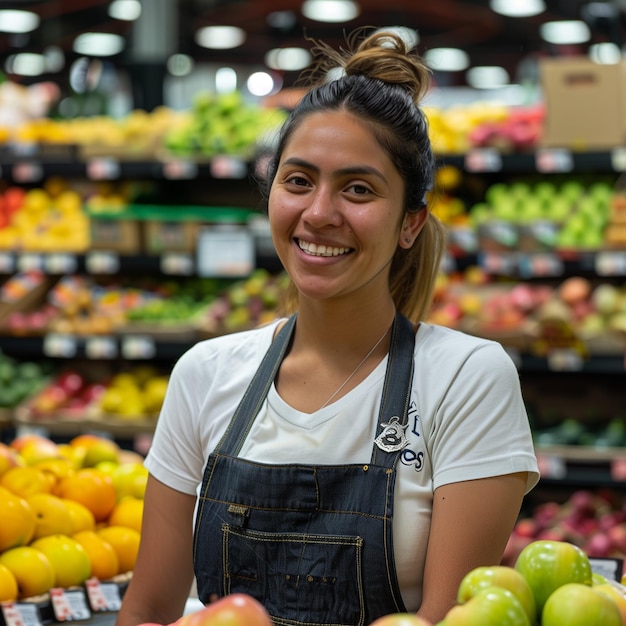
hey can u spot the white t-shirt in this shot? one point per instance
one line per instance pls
(467, 420)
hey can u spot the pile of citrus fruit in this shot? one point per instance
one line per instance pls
(69, 512)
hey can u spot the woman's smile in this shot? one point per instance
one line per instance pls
(322, 250)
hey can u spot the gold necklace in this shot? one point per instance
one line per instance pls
(356, 369)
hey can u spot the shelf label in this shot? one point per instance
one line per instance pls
(59, 345)
(69, 605)
(27, 172)
(180, 169)
(565, 360)
(103, 596)
(222, 252)
(483, 160)
(59, 263)
(103, 168)
(498, 263)
(540, 264)
(20, 614)
(100, 348)
(611, 263)
(138, 347)
(554, 160)
(27, 262)
(177, 264)
(7, 263)
(224, 166)
(551, 466)
(102, 262)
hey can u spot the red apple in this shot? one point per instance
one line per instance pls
(576, 604)
(547, 565)
(237, 609)
(401, 619)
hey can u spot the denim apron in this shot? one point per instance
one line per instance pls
(312, 543)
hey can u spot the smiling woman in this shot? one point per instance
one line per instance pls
(348, 460)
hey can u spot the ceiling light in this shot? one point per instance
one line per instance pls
(605, 53)
(260, 84)
(225, 80)
(15, 21)
(487, 77)
(518, 8)
(28, 64)
(98, 44)
(408, 35)
(179, 64)
(447, 59)
(220, 37)
(330, 10)
(127, 10)
(565, 32)
(288, 59)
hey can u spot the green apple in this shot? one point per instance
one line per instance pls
(547, 565)
(498, 576)
(492, 606)
(616, 593)
(68, 558)
(575, 604)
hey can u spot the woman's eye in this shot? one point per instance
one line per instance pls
(359, 190)
(299, 181)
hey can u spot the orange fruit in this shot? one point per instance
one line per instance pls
(25, 481)
(82, 518)
(103, 557)
(92, 488)
(8, 585)
(17, 525)
(127, 512)
(125, 542)
(51, 515)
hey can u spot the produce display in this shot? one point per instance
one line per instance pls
(70, 512)
(20, 379)
(550, 584)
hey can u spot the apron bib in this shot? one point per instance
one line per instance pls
(312, 543)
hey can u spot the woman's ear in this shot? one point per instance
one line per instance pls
(412, 226)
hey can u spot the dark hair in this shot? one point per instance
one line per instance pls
(382, 84)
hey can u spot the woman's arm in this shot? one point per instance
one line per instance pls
(163, 573)
(471, 523)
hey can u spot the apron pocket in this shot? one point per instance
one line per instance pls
(308, 579)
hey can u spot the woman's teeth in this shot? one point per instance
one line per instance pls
(315, 250)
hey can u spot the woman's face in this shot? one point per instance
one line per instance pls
(335, 208)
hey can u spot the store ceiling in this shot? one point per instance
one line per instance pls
(469, 24)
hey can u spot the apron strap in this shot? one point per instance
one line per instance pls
(393, 412)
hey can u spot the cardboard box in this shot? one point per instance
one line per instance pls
(585, 103)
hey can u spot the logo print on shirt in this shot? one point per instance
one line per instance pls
(392, 437)
(410, 457)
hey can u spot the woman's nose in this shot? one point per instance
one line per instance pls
(322, 209)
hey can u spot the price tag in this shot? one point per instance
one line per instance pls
(103, 168)
(100, 348)
(618, 159)
(138, 347)
(20, 614)
(60, 264)
(180, 170)
(59, 345)
(611, 263)
(483, 160)
(540, 264)
(69, 605)
(224, 166)
(102, 262)
(27, 262)
(496, 263)
(551, 466)
(27, 172)
(225, 252)
(7, 263)
(103, 596)
(565, 360)
(554, 160)
(177, 264)
(610, 568)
